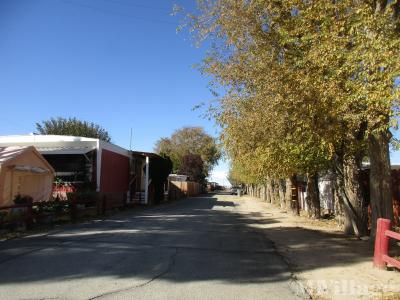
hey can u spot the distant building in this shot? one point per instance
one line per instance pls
(212, 186)
(178, 177)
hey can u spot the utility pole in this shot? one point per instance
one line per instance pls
(130, 141)
(146, 187)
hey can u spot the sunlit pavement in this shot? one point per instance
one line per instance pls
(200, 248)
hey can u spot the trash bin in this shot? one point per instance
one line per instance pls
(239, 192)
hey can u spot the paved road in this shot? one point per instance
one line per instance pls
(199, 248)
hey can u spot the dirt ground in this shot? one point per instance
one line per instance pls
(327, 263)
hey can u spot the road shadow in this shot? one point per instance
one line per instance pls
(195, 240)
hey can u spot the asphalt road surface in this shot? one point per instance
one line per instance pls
(200, 248)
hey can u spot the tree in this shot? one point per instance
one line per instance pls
(74, 127)
(193, 166)
(190, 141)
(310, 87)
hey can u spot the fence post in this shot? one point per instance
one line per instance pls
(381, 243)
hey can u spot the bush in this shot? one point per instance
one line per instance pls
(20, 200)
(55, 206)
(88, 198)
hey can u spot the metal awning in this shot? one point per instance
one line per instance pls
(65, 150)
(144, 154)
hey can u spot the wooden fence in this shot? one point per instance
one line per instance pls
(181, 189)
(381, 252)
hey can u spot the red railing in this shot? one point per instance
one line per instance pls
(383, 235)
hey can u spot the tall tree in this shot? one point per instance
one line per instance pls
(72, 126)
(190, 141)
(308, 81)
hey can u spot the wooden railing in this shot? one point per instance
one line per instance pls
(382, 239)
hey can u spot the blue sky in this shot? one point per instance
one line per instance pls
(118, 63)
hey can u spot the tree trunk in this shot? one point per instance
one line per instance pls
(380, 181)
(262, 192)
(266, 191)
(288, 194)
(349, 193)
(281, 188)
(265, 198)
(339, 205)
(269, 191)
(312, 199)
(275, 190)
(357, 215)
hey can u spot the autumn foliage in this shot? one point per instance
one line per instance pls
(310, 88)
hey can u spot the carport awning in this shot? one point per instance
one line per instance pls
(65, 150)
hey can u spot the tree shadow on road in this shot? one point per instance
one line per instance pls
(196, 240)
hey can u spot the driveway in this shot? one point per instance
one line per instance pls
(209, 247)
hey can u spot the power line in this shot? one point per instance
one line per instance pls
(108, 12)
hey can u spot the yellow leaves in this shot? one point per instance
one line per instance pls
(300, 91)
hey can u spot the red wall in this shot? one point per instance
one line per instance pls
(114, 172)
